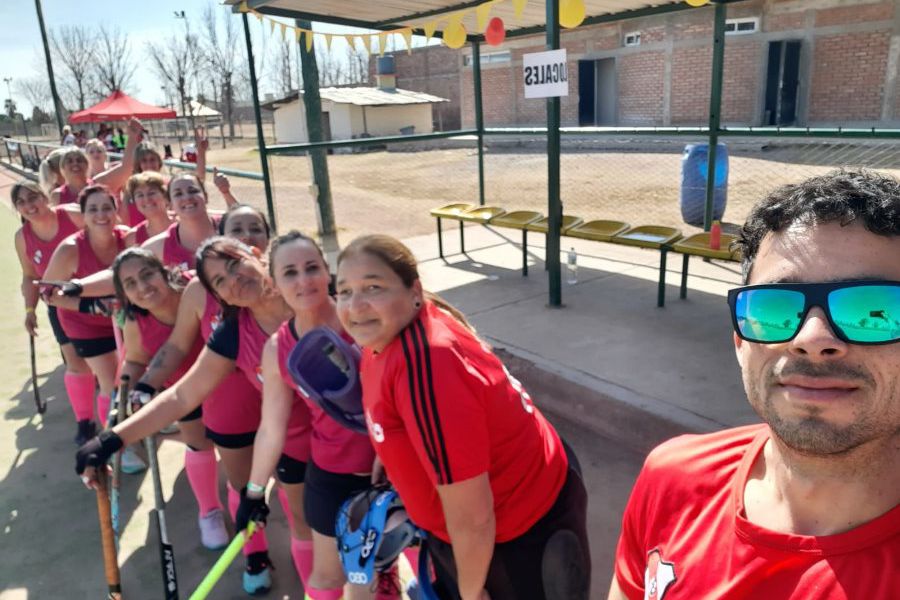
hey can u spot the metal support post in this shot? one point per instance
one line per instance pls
(479, 116)
(554, 206)
(260, 139)
(715, 108)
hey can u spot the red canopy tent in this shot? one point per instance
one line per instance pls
(119, 106)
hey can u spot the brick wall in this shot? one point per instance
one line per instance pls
(848, 77)
(843, 66)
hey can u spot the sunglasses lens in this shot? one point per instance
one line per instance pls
(768, 315)
(867, 313)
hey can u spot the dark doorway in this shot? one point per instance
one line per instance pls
(597, 92)
(782, 83)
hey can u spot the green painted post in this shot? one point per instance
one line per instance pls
(715, 108)
(312, 104)
(57, 105)
(479, 116)
(260, 139)
(554, 206)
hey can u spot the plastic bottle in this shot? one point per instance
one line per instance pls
(572, 262)
(715, 235)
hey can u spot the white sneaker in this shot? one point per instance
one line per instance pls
(131, 462)
(213, 534)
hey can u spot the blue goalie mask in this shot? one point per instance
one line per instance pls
(372, 530)
(326, 368)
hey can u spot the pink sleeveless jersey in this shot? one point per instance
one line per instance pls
(141, 234)
(39, 251)
(67, 195)
(155, 333)
(82, 326)
(333, 447)
(135, 217)
(174, 254)
(235, 406)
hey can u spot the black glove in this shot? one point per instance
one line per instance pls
(95, 452)
(250, 509)
(72, 288)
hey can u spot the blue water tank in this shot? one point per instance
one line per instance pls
(694, 170)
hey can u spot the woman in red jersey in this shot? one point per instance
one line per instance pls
(475, 462)
(88, 251)
(44, 227)
(341, 460)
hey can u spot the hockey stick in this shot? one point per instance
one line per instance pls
(41, 406)
(108, 539)
(228, 556)
(114, 412)
(166, 553)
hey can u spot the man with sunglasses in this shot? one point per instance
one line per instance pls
(806, 505)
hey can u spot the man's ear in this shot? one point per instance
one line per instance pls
(739, 346)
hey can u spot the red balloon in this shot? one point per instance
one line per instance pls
(495, 32)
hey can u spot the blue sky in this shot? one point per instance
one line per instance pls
(21, 54)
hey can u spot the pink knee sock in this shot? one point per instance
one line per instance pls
(317, 594)
(203, 475)
(103, 408)
(286, 506)
(80, 389)
(302, 551)
(258, 543)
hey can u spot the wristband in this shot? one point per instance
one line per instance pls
(144, 388)
(29, 309)
(252, 488)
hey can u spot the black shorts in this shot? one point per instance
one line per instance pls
(290, 470)
(56, 326)
(193, 415)
(325, 493)
(550, 561)
(235, 441)
(89, 348)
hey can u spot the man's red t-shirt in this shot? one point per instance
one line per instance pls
(441, 408)
(685, 534)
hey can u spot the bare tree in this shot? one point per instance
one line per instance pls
(331, 68)
(175, 61)
(221, 53)
(75, 47)
(113, 67)
(285, 75)
(357, 64)
(36, 90)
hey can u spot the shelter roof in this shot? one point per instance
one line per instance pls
(390, 14)
(364, 96)
(119, 106)
(200, 110)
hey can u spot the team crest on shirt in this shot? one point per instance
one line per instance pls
(376, 428)
(259, 376)
(215, 321)
(659, 575)
(38, 257)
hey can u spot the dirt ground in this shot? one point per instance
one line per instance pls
(392, 190)
(48, 525)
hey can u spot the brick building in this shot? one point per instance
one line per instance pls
(433, 70)
(787, 62)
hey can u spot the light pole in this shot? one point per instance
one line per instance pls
(10, 107)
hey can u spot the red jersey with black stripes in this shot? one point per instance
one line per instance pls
(441, 408)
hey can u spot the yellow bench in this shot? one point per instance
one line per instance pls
(697, 245)
(519, 219)
(464, 213)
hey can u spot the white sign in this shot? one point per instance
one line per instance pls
(545, 74)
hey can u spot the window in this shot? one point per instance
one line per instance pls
(488, 58)
(742, 26)
(633, 38)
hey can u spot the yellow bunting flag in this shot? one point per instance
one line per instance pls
(519, 6)
(272, 24)
(350, 41)
(407, 36)
(482, 12)
(297, 34)
(328, 42)
(283, 29)
(257, 15)
(382, 43)
(455, 32)
(428, 28)
(243, 7)
(309, 40)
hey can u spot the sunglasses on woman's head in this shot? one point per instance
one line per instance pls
(859, 312)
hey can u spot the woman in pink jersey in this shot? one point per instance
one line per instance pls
(88, 251)
(232, 399)
(44, 227)
(148, 191)
(341, 460)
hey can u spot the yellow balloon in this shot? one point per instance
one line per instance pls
(696, 3)
(571, 13)
(455, 35)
